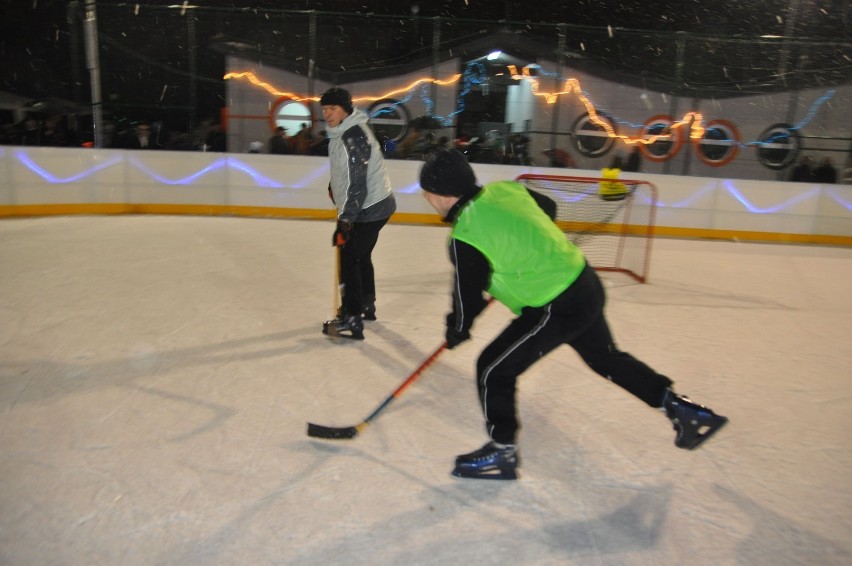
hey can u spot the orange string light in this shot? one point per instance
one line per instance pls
(692, 120)
(572, 86)
(252, 78)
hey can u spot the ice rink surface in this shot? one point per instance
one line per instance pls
(157, 374)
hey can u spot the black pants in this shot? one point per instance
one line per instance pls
(357, 276)
(576, 317)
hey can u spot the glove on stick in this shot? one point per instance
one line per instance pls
(342, 233)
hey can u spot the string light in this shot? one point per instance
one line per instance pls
(252, 78)
(572, 87)
(475, 74)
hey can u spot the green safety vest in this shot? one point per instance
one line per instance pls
(532, 261)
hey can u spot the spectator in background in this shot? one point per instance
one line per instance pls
(319, 146)
(30, 132)
(803, 172)
(215, 140)
(278, 143)
(517, 150)
(826, 172)
(410, 145)
(141, 137)
(559, 158)
(300, 143)
(53, 132)
(634, 160)
(179, 141)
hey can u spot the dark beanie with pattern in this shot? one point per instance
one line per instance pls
(337, 96)
(447, 172)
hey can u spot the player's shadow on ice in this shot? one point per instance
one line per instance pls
(777, 540)
(48, 378)
(635, 525)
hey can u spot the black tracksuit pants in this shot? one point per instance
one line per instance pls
(576, 317)
(356, 266)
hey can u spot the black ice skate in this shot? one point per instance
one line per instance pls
(694, 423)
(369, 311)
(344, 326)
(489, 462)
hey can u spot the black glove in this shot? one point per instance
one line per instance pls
(342, 233)
(454, 337)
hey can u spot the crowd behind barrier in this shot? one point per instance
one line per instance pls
(219, 79)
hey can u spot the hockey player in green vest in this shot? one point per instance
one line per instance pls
(504, 243)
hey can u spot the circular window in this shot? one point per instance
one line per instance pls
(291, 115)
(593, 138)
(389, 119)
(719, 144)
(667, 145)
(778, 146)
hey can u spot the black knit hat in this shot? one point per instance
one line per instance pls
(447, 172)
(337, 96)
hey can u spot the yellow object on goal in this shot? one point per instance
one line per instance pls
(610, 188)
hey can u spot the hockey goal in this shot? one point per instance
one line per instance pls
(614, 230)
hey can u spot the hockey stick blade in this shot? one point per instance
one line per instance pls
(345, 433)
(331, 432)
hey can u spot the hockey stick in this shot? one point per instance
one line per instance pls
(337, 294)
(346, 432)
(338, 282)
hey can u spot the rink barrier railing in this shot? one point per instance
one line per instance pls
(79, 181)
(30, 211)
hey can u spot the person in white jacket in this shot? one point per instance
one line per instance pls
(361, 191)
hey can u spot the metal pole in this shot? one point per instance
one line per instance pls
(193, 72)
(312, 55)
(436, 56)
(93, 65)
(74, 33)
(687, 155)
(678, 79)
(554, 120)
(789, 31)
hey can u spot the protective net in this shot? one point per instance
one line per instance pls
(612, 221)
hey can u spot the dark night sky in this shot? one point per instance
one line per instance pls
(34, 43)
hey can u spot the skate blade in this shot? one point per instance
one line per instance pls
(341, 335)
(703, 433)
(335, 334)
(491, 474)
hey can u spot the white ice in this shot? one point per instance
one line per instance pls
(157, 375)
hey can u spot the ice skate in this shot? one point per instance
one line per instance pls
(694, 423)
(369, 311)
(489, 462)
(344, 326)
